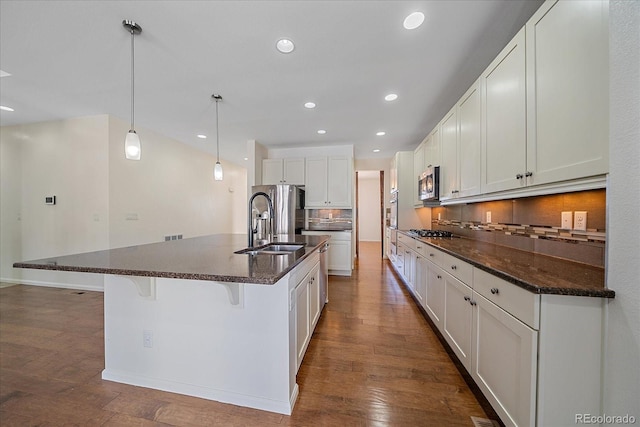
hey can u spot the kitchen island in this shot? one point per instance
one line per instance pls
(195, 317)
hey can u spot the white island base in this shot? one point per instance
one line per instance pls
(230, 342)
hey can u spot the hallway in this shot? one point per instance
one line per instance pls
(373, 361)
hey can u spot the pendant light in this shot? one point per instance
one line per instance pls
(132, 141)
(217, 169)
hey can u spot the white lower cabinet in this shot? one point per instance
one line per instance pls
(307, 308)
(458, 318)
(420, 279)
(435, 294)
(536, 358)
(504, 362)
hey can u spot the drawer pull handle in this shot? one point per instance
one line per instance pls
(419, 247)
(453, 267)
(494, 291)
(466, 298)
(431, 255)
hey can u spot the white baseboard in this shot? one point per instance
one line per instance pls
(256, 402)
(53, 284)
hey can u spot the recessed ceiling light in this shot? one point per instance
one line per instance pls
(391, 97)
(309, 105)
(246, 158)
(414, 20)
(322, 131)
(202, 136)
(377, 150)
(381, 133)
(3, 108)
(285, 45)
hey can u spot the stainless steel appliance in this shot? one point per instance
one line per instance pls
(393, 204)
(288, 210)
(324, 274)
(429, 184)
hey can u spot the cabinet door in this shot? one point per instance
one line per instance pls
(293, 171)
(469, 135)
(504, 124)
(435, 294)
(458, 318)
(315, 182)
(420, 286)
(271, 171)
(339, 170)
(314, 297)
(432, 153)
(449, 147)
(567, 91)
(418, 168)
(303, 331)
(339, 257)
(505, 363)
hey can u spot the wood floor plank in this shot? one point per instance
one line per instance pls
(373, 361)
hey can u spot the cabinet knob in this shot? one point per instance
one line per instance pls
(519, 176)
(472, 302)
(418, 247)
(528, 173)
(431, 254)
(455, 191)
(453, 267)
(439, 276)
(495, 290)
(466, 298)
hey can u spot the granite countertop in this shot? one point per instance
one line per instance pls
(198, 258)
(536, 273)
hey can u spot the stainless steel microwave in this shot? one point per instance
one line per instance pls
(429, 184)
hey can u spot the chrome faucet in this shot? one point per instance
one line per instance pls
(251, 230)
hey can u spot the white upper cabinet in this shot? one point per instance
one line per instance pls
(449, 152)
(432, 148)
(418, 168)
(469, 135)
(567, 91)
(504, 125)
(283, 171)
(328, 182)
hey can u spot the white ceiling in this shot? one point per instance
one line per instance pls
(72, 58)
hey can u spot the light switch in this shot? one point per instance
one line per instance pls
(566, 220)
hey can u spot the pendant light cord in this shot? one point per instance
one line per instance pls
(132, 77)
(217, 134)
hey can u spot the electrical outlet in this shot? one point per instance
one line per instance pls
(488, 217)
(147, 339)
(580, 220)
(566, 220)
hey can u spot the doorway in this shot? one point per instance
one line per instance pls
(370, 209)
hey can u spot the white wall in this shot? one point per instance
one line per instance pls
(622, 355)
(369, 206)
(81, 161)
(171, 190)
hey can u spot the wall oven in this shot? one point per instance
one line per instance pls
(393, 204)
(429, 184)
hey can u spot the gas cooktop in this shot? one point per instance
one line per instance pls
(431, 233)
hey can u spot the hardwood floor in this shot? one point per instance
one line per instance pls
(373, 361)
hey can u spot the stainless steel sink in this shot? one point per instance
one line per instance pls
(272, 249)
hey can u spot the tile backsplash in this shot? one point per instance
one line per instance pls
(533, 224)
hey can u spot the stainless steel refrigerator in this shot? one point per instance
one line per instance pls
(288, 208)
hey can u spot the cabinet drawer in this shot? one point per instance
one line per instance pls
(422, 248)
(457, 268)
(520, 303)
(435, 256)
